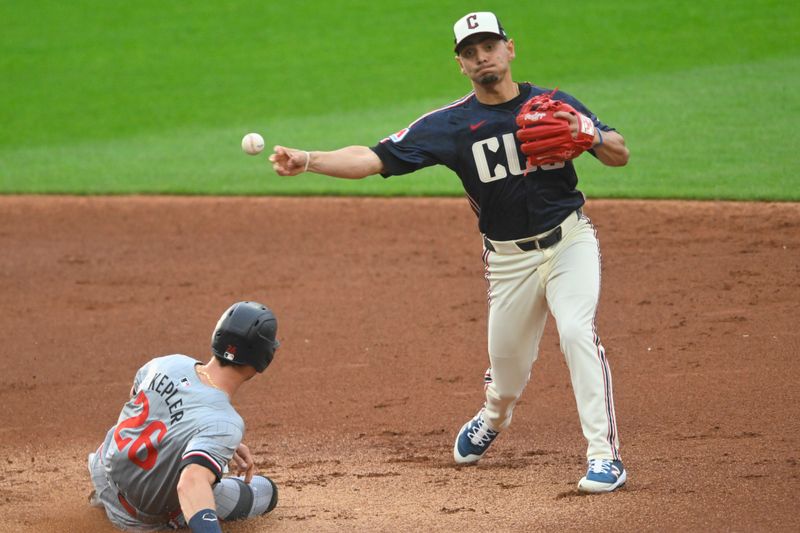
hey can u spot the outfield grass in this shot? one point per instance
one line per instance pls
(154, 97)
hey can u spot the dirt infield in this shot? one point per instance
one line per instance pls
(382, 313)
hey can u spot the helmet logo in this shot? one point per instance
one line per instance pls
(230, 352)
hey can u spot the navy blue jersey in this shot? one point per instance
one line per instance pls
(477, 142)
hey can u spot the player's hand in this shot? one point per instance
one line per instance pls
(244, 462)
(289, 161)
(572, 119)
(573, 124)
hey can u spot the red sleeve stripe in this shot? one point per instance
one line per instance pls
(457, 103)
(473, 204)
(204, 455)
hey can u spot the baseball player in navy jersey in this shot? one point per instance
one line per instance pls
(161, 465)
(540, 252)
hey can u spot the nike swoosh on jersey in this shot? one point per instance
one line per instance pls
(474, 127)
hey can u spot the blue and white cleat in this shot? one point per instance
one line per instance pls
(473, 440)
(604, 475)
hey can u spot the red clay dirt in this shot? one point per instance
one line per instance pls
(382, 312)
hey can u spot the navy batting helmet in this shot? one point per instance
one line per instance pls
(245, 335)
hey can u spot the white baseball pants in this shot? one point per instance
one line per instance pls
(523, 286)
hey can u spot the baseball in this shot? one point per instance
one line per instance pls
(253, 143)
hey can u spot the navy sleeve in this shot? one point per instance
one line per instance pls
(198, 457)
(392, 165)
(578, 105)
(426, 142)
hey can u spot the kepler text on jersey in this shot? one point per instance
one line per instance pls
(167, 389)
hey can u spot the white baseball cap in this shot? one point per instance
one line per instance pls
(481, 22)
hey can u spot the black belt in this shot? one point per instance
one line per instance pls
(536, 244)
(547, 241)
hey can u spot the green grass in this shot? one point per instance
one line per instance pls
(154, 97)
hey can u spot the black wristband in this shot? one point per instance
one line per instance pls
(205, 521)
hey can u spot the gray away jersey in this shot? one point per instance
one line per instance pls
(172, 420)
